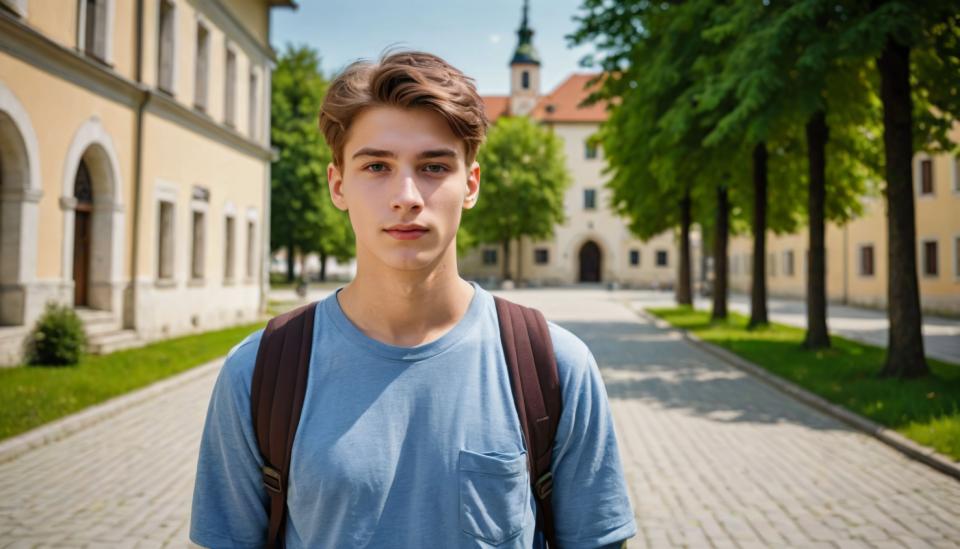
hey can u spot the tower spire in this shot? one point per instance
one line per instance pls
(525, 52)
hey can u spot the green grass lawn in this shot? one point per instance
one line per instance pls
(34, 395)
(926, 410)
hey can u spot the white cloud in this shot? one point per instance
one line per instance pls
(495, 38)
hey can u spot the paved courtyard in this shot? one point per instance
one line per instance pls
(713, 457)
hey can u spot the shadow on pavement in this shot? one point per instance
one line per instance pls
(657, 367)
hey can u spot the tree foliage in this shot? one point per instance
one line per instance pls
(302, 216)
(522, 184)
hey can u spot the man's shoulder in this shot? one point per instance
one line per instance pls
(238, 366)
(573, 355)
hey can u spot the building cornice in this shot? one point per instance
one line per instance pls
(32, 47)
(165, 106)
(223, 18)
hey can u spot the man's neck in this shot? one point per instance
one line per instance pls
(406, 308)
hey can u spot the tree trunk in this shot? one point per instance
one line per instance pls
(817, 134)
(303, 266)
(506, 259)
(684, 295)
(323, 266)
(290, 262)
(905, 345)
(519, 260)
(721, 234)
(758, 292)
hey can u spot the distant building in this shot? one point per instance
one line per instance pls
(856, 253)
(134, 165)
(594, 244)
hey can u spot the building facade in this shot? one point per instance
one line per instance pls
(134, 165)
(856, 253)
(593, 244)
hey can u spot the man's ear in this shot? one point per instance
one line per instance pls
(335, 183)
(473, 187)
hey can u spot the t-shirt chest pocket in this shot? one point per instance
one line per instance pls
(493, 494)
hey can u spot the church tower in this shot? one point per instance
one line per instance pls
(524, 69)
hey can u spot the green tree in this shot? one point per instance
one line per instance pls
(302, 217)
(522, 184)
(782, 70)
(659, 168)
(914, 45)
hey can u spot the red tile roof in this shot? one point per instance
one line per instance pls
(496, 106)
(563, 103)
(560, 105)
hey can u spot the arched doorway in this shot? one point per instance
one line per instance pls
(82, 235)
(93, 215)
(590, 262)
(19, 195)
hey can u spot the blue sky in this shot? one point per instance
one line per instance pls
(476, 36)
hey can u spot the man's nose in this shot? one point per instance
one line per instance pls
(408, 195)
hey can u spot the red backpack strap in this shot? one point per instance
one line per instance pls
(536, 392)
(276, 399)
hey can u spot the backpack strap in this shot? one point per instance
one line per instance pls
(276, 396)
(535, 383)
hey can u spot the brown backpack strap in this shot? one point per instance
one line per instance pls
(536, 392)
(276, 397)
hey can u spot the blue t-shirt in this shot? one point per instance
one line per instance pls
(412, 446)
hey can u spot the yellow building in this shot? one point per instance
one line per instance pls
(856, 253)
(134, 164)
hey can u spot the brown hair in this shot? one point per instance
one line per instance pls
(406, 79)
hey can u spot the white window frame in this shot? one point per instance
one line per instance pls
(589, 147)
(923, 257)
(201, 206)
(536, 251)
(789, 264)
(656, 258)
(253, 100)
(593, 207)
(860, 270)
(174, 41)
(956, 257)
(230, 99)
(918, 175)
(204, 105)
(165, 191)
(110, 15)
(251, 252)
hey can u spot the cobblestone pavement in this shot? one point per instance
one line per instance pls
(124, 482)
(713, 458)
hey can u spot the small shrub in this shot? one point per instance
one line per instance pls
(58, 338)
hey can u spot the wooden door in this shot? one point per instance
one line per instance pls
(590, 262)
(82, 236)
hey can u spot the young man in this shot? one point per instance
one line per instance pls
(409, 436)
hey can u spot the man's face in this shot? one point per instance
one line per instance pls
(404, 184)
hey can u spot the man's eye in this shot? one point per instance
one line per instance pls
(376, 167)
(436, 168)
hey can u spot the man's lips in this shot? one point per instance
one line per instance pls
(406, 232)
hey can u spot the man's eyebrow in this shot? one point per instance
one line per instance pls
(438, 153)
(382, 153)
(379, 153)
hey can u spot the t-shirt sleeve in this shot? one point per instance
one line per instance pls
(590, 502)
(230, 506)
